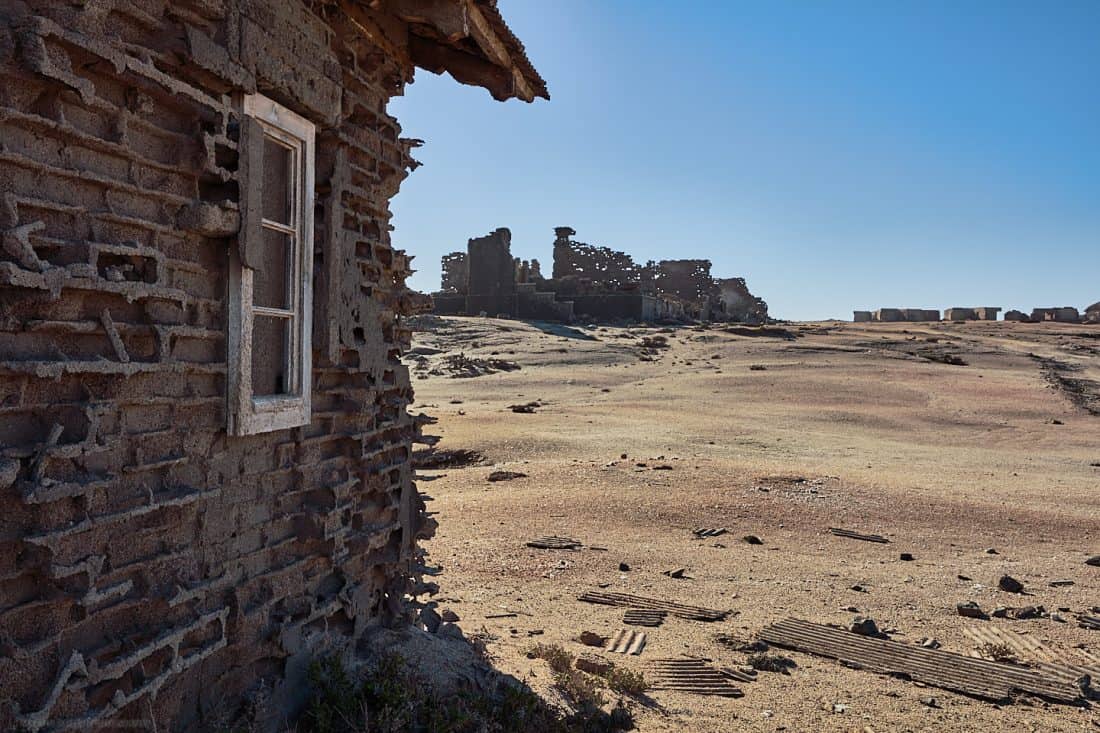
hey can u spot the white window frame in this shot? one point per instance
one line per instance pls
(248, 414)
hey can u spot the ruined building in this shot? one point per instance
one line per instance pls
(589, 281)
(204, 465)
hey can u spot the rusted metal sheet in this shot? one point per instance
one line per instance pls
(644, 617)
(1064, 665)
(627, 641)
(858, 535)
(690, 675)
(694, 613)
(555, 543)
(938, 668)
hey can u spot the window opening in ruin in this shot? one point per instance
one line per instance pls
(271, 273)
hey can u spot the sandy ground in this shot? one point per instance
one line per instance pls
(843, 427)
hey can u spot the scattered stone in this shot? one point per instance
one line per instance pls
(1026, 612)
(859, 588)
(593, 664)
(965, 578)
(1060, 583)
(526, 409)
(449, 616)
(992, 551)
(929, 643)
(1010, 585)
(1057, 618)
(906, 556)
(505, 475)
(864, 626)
(623, 567)
(1094, 561)
(929, 702)
(677, 573)
(752, 539)
(970, 609)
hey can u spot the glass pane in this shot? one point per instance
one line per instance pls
(270, 344)
(278, 181)
(270, 281)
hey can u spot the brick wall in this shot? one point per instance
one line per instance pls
(151, 567)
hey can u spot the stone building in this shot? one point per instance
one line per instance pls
(204, 465)
(1092, 313)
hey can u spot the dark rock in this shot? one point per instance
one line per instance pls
(430, 620)
(677, 573)
(591, 638)
(451, 631)
(1094, 561)
(449, 615)
(970, 609)
(505, 475)
(752, 539)
(1010, 585)
(623, 567)
(864, 626)
(906, 556)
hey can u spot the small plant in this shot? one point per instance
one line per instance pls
(997, 652)
(625, 681)
(771, 663)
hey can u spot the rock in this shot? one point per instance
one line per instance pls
(864, 626)
(929, 643)
(752, 539)
(1010, 585)
(929, 702)
(591, 638)
(449, 616)
(1060, 583)
(622, 456)
(970, 609)
(593, 664)
(964, 578)
(451, 631)
(859, 588)
(1057, 618)
(430, 620)
(623, 567)
(1000, 612)
(1094, 561)
(1026, 612)
(907, 557)
(677, 573)
(991, 551)
(505, 475)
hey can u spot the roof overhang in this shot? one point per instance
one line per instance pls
(466, 38)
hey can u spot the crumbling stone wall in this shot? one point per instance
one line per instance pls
(738, 304)
(492, 274)
(152, 568)
(456, 273)
(600, 269)
(691, 282)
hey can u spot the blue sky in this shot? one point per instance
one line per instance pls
(838, 155)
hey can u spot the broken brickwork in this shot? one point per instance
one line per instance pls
(157, 573)
(597, 268)
(737, 303)
(456, 272)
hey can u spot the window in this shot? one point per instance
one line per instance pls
(270, 273)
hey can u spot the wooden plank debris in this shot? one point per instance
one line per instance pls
(694, 613)
(644, 617)
(627, 641)
(690, 675)
(858, 536)
(555, 543)
(934, 667)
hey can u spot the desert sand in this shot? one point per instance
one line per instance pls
(860, 426)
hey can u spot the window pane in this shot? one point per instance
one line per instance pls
(270, 342)
(270, 282)
(278, 181)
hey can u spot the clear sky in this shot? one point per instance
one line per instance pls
(838, 155)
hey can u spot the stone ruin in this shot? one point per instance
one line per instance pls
(205, 472)
(1066, 314)
(595, 282)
